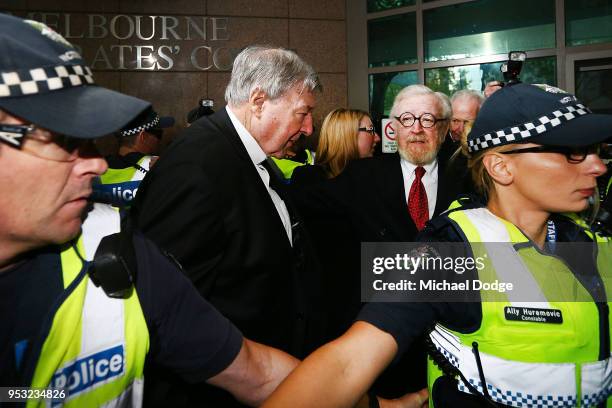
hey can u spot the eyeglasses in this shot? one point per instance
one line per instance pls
(427, 120)
(43, 143)
(371, 130)
(572, 154)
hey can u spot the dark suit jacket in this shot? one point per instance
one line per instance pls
(455, 167)
(339, 258)
(371, 193)
(205, 203)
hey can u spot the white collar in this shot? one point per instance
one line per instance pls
(255, 151)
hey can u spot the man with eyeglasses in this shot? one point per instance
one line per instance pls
(139, 142)
(80, 313)
(390, 198)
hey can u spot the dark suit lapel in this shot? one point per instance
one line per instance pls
(444, 190)
(394, 189)
(226, 127)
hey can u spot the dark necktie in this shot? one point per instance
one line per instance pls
(276, 176)
(417, 200)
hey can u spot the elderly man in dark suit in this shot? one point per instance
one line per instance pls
(211, 202)
(390, 198)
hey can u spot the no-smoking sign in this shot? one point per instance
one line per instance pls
(389, 144)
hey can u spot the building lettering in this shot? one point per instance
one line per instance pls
(138, 40)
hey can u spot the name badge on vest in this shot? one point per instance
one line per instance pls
(530, 314)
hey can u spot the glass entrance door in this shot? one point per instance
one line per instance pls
(593, 83)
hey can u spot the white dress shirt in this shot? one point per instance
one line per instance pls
(257, 156)
(429, 180)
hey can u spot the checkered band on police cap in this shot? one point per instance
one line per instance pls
(520, 133)
(539, 114)
(145, 126)
(45, 81)
(42, 80)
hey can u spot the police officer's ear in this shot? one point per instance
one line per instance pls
(256, 101)
(499, 167)
(141, 138)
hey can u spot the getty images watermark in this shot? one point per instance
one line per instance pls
(429, 263)
(459, 272)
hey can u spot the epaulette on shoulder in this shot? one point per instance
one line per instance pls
(463, 202)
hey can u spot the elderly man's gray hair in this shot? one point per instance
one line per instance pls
(273, 70)
(468, 94)
(420, 90)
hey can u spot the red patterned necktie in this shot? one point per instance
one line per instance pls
(417, 200)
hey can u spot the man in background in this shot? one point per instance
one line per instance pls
(465, 104)
(139, 143)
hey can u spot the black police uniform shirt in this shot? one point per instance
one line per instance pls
(187, 335)
(408, 321)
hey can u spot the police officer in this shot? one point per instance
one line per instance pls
(534, 154)
(67, 327)
(296, 156)
(138, 145)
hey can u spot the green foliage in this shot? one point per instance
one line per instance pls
(447, 80)
(380, 5)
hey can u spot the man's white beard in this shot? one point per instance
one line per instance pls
(422, 159)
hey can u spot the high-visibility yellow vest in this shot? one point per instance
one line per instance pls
(95, 347)
(118, 187)
(526, 362)
(287, 166)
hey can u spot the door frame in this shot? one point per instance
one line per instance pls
(570, 63)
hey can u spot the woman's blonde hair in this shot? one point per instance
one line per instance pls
(338, 140)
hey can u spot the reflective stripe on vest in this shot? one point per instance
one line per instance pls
(96, 347)
(119, 186)
(526, 363)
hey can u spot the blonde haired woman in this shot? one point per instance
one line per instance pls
(346, 134)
